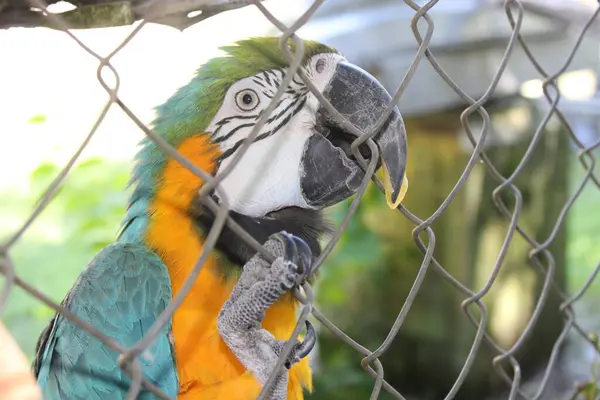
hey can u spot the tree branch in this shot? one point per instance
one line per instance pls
(108, 13)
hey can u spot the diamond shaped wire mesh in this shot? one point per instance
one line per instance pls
(423, 235)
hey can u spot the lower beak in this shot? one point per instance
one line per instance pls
(330, 172)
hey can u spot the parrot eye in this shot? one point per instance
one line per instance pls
(246, 100)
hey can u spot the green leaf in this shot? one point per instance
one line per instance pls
(37, 119)
(42, 312)
(46, 170)
(92, 162)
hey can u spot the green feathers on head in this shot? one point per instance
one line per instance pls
(191, 108)
(189, 111)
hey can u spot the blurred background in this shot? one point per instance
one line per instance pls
(50, 98)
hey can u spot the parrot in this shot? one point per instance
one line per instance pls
(224, 339)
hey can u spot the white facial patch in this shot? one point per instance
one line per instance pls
(267, 178)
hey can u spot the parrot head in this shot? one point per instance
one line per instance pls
(300, 161)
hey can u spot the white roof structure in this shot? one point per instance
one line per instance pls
(469, 40)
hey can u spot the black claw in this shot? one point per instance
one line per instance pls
(303, 348)
(290, 252)
(297, 252)
(304, 259)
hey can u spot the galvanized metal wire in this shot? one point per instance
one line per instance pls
(424, 237)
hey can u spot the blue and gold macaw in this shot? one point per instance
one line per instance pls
(224, 340)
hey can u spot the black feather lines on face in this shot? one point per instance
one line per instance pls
(298, 100)
(269, 81)
(310, 225)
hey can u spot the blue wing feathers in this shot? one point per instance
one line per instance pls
(120, 293)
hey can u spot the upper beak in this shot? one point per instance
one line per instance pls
(330, 172)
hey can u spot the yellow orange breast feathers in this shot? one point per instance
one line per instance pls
(206, 367)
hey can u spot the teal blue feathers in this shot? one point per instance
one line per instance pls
(121, 293)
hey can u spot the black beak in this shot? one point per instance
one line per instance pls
(329, 171)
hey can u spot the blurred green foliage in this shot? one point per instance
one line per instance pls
(37, 119)
(590, 390)
(339, 291)
(82, 218)
(583, 229)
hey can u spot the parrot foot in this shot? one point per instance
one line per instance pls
(259, 286)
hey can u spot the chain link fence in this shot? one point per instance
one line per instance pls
(541, 258)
